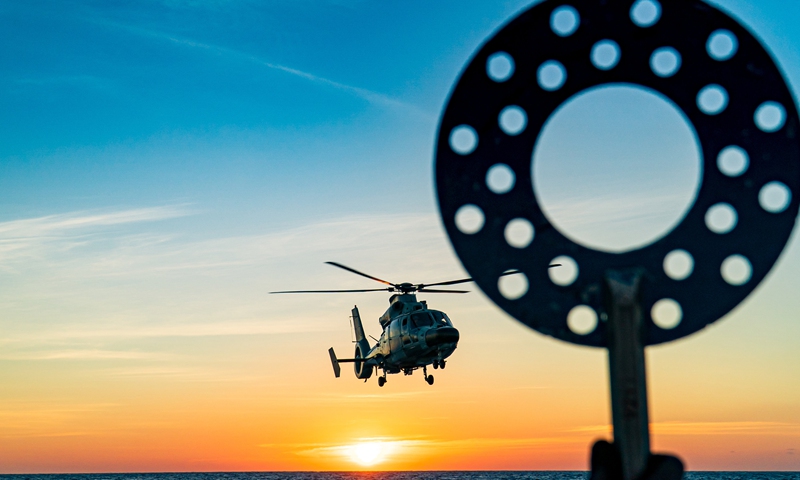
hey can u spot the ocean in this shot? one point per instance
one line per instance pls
(449, 475)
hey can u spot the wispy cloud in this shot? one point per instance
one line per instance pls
(61, 223)
(708, 428)
(79, 269)
(79, 354)
(139, 331)
(389, 446)
(29, 419)
(726, 428)
(375, 98)
(158, 254)
(28, 237)
(625, 222)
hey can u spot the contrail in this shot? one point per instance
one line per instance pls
(374, 98)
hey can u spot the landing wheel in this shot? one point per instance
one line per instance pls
(381, 381)
(435, 364)
(441, 364)
(429, 379)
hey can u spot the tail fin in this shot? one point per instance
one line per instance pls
(336, 369)
(358, 328)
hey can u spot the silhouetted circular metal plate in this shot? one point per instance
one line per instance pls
(507, 71)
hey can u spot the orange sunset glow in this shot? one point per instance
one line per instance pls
(166, 166)
(538, 405)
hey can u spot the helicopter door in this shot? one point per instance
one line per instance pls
(404, 329)
(395, 344)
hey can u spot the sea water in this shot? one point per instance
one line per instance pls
(448, 475)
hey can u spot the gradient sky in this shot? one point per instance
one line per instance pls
(165, 163)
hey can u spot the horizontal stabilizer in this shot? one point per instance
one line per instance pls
(335, 362)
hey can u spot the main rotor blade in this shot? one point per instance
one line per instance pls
(337, 291)
(442, 291)
(352, 270)
(451, 282)
(465, 280)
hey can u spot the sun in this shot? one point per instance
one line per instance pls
(367, 453)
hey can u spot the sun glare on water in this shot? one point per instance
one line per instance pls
(368, 453)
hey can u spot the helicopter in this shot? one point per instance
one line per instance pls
(414, 336)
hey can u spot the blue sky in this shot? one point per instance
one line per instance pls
(189, 102)
(231, 105)
(164, 164)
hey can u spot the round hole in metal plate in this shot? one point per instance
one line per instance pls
(733, 161)
(712, 99)
(513, 120)
(605, 54)
(564, 21)
(722, 45)
(665, 62)
(774, 197)
(463, 140)
(500, 178)
(551, 75)
(566, 273)
(770, 117)
(519, 233)
(500, 66)
(666, 313)
(645, 13)
(514, 286)
(721, 218)
(602, 156)
(582, 320)
(736, 270)
(469, 219)
(678, 264)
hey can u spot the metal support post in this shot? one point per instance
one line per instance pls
(627, 372)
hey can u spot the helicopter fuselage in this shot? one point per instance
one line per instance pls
(413, 336)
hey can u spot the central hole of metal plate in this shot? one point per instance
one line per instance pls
(616, 167)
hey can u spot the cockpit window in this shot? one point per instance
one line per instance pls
(440, 318)
(421, 319)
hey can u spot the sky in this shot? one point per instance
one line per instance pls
(166, 163)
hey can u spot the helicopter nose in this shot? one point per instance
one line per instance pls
(441, 335)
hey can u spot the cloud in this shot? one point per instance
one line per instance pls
(77, 354)
(419, 446)
(57, 224)
(622, 222)
(86, 279)
(375, 98)
(31, 419)
(175, 330)
(725, 428)
(28, 237)
(144, 254)
(707, 428)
